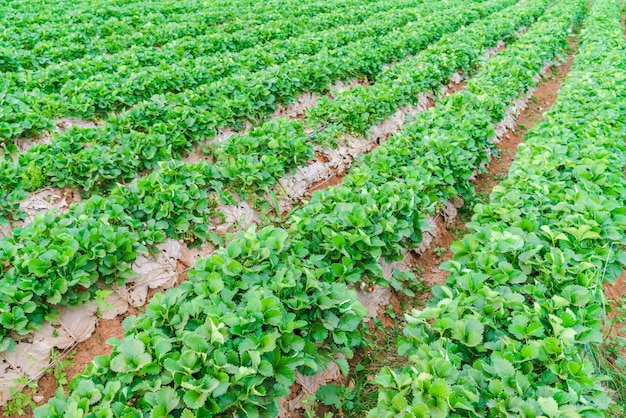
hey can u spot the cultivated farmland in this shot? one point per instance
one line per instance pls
(349, 208)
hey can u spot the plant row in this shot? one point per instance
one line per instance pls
(96, 160)
(509, 334)
(53, 77)
(209, 363)
(101, 92)
(27, 105)
(427, 163)
(246, 94)
(462, 50)
(60, 259)
(239, 167)
(356, 110)
(93, 33)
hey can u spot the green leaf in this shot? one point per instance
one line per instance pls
(549, 406)
(195, 399)
(330, 395)
(163, 402)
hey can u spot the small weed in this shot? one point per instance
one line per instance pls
(33, 177)
(309, 404)
(610, 361)
(339, 397)
(100, 297)
(418, 270)
(390, 312)
(439, 251)
(458, 231)
(60, 365)
(21, 397)
(357, 396)
(499, 177)
(481, 197)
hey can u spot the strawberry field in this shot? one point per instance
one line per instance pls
(227, 208)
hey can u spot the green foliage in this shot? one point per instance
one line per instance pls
(60, 364)
(175, 201)
(22, 393)
(510, 331)
(356, 110)
(276, 301)
(228, 340)
(340, 397)
(32, 177)
(163, 126)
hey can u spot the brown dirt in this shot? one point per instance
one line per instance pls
(294, 391)
(615, 294)
(613, 351)
(452, 88)
(544, 97)
(385, 319)
(438, 251)
(335, 180)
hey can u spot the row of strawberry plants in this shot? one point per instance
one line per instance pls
(229, 379)
(30, 112)
(284, 147)
(47, 41)
(53, 77)
(256, 92)
(142, 29)
(172, 201)
(199, 112)
(37, 22)
(59, 259)
(228, 341)
(31, 17)
(119, 150)
(230, 173)
(428, 162)
(101, 92)
(356, 110)
(510, 332)
(463, 50)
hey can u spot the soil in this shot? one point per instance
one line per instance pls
(615, 330)
(335, 180)
(543, 99)
(615, 293)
